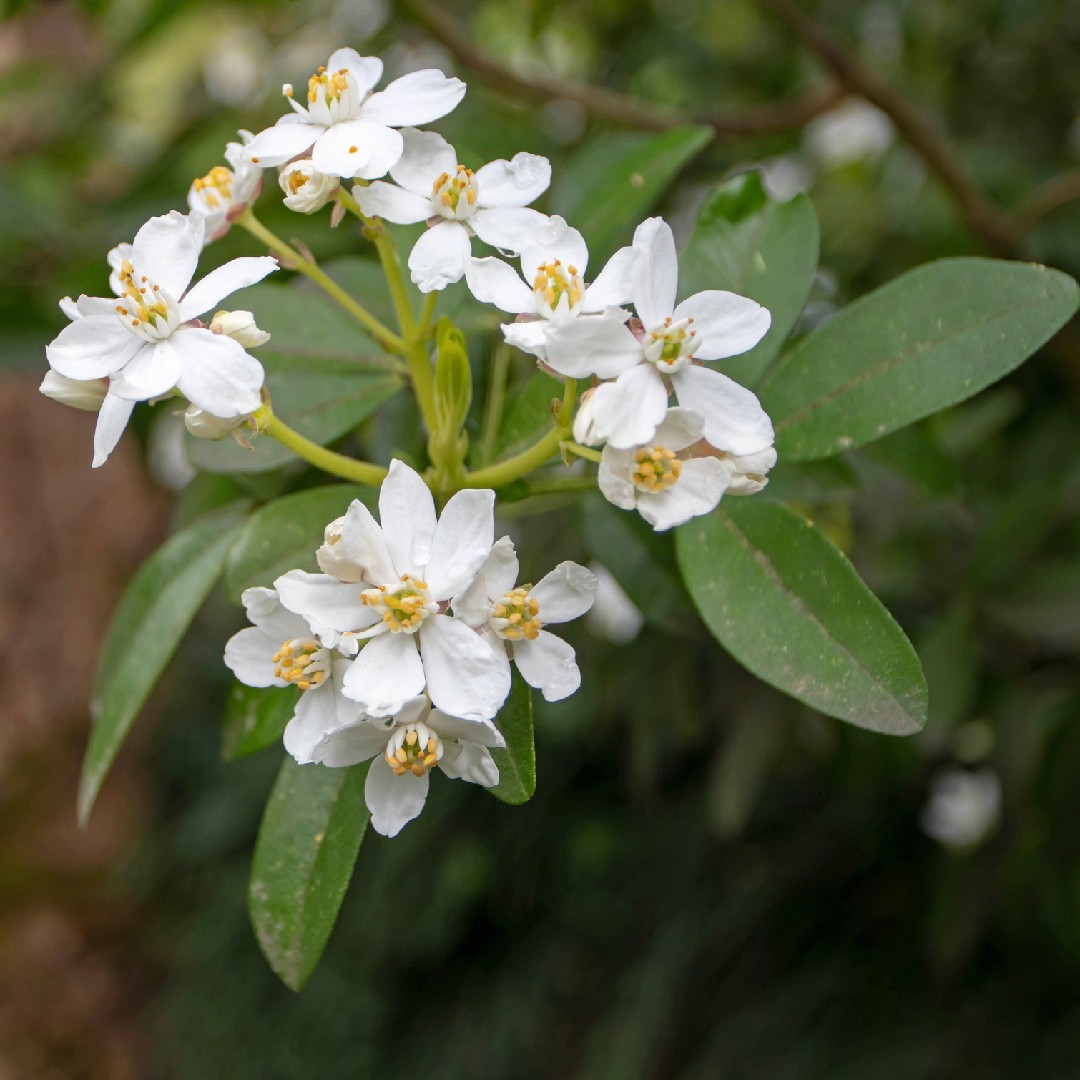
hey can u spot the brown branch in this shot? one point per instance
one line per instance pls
(1048, 199)
(607, 104)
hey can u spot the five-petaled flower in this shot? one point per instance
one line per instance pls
(458, 204)
(223, 193)
(349, 130)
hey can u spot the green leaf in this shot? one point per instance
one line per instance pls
(784, 601)
(255, 719)
(517, 763)
(153, 615)
(310, 835)
(929, 339)
(748, 243)
(321, 398)
(611, 184)
(285, 534)
(529, 415)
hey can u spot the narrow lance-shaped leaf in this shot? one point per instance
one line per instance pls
(929, 339)
(784, 601)
(309, 838)
(153, 615)
(748, 243)
(517, 763)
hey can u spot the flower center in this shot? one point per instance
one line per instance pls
(517, 615)
(331, 86)
(296, 181)
(143, 304)
(552, 284)
(301, 662)
(403, 606)
(455, 193)
(655, 468)
(414, 748)
(671, 346)
(215, 187)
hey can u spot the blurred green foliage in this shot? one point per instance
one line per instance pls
(711, 880)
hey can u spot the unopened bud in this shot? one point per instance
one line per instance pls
(584, 426)
(240, 326)
(203, 425)
(453, 379)
(748, 472)
(306, 189)
(85, 394)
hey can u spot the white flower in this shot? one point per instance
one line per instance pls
(614, 616)
(748, 473)
(350, 130)
(281, 650)
(220, 196)
(85, 394)
(665, 489)
(512, 616)
(709, 325)
(963, 807)
(144, 342)
(201, 425)
(554, 259)
(410, 567)
(306, 189)
(491, 203)
(117, 257)
(240, 326)
(405, 750)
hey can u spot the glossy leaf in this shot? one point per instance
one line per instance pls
(285, 534)
(517, 763)
(786, 603)
(255, 718)
(748, 243)
(309, 838)
(614, 181)
(153, 615)
(929, 339)
(529, 416)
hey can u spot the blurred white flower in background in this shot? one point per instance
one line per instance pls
(854, 130)
(963, 808)
(614, 616)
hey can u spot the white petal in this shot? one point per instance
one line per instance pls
(598, 345)
(218, 375)
(325, 601)
(554, 239)
(426, 157)
(416, 98)
(349, 745)
(356, 148)
(656, 271)
(505, 227)
(614, 285)
(249, 655)
(728, 324)
(474, 764)
(465, 676)
(225, 280)
(549, 665)
(529, 335)
(407, 513)
(290, 136)
(497, 576)
(93, 347)
(566, 593)
(320, 713)
(701, 484)
(393, 203)
(513, 183)
(154, 370)
(393, 800)
(367, 70)
(112, 419)
(438, 257)
(679, 429)
(482, 732)
(492, 281)
(264, 609)
(361, 553)
(613, 477)
(734, 418)
(462, 542)
(166, 250)
(386, 674)
(626, 412)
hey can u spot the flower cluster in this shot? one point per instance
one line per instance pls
(401, 647)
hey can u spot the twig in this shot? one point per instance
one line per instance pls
(608, 104)
(1048, 199)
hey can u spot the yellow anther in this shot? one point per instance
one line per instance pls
(517, 615)
(297, 180)
(552, 283)
(410, 738)
(656, 468)
(402, 754)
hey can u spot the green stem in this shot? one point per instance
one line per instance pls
(505, 472)
(580, 451)
(313, 272)
(347, 468)
(496, 400)
(427, 314)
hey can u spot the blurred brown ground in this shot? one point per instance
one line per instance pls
(70, 980)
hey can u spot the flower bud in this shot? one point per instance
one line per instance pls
(453, 379)
(203, 425)
(748, 472)
(306, 189)
(85, 394)
(240, 326)
(584, 430)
